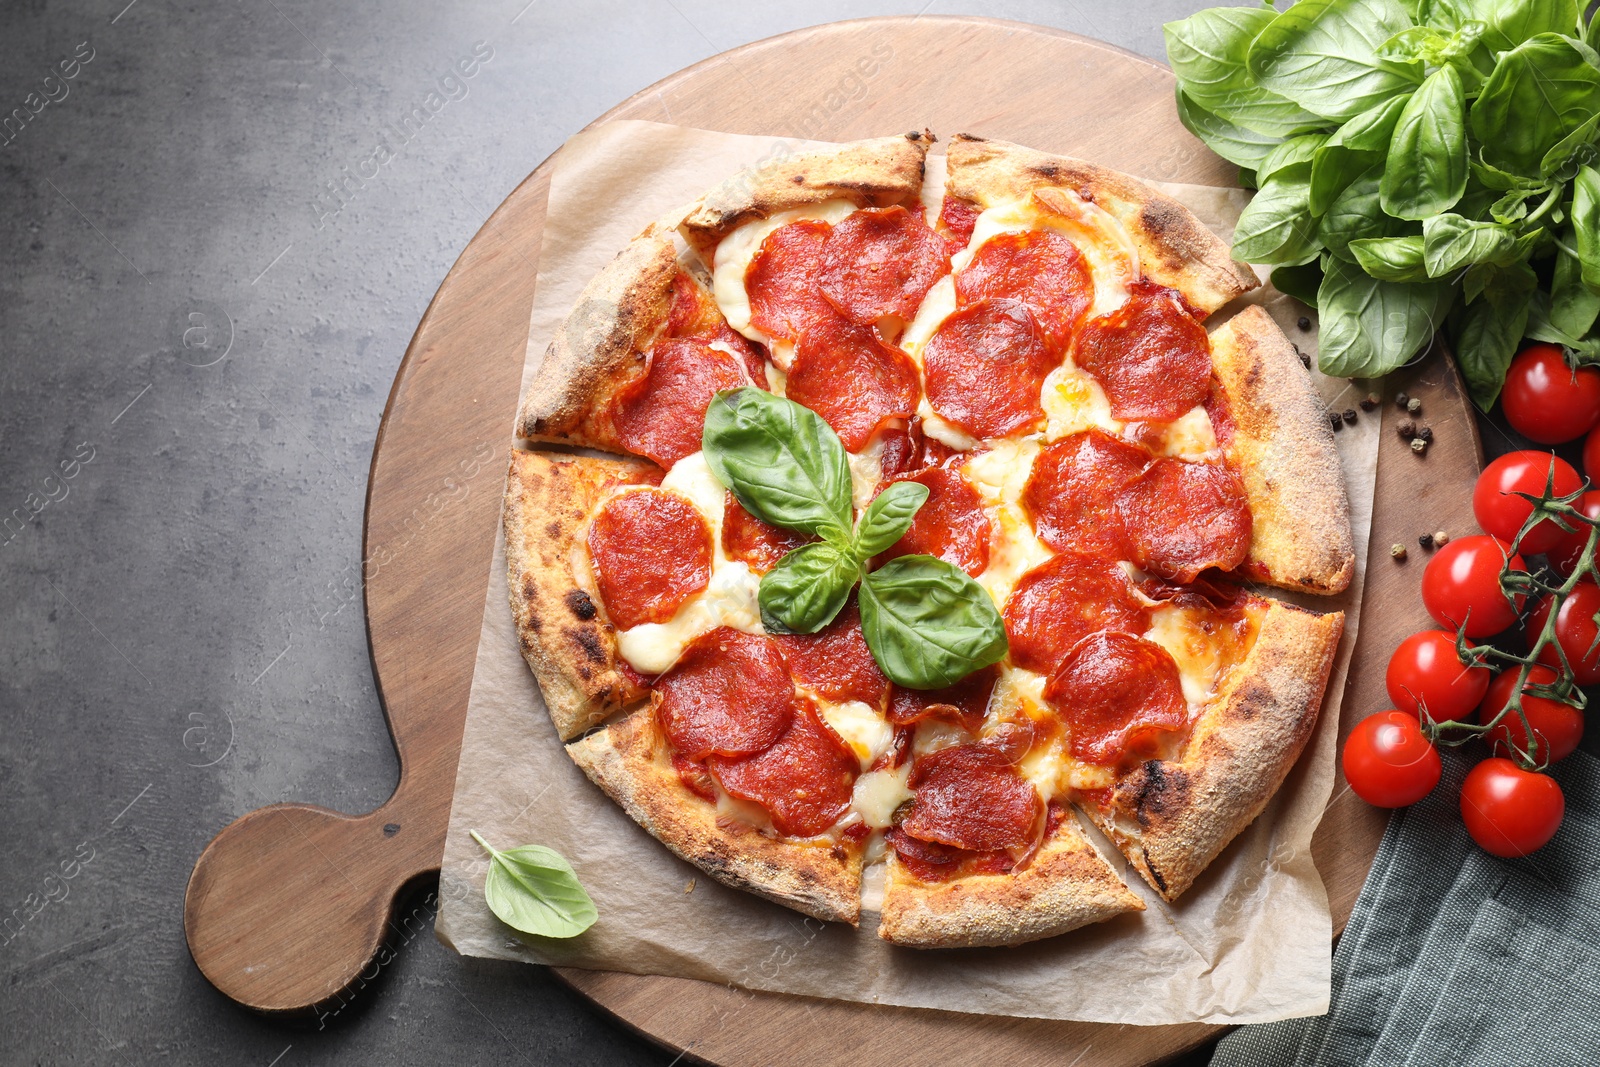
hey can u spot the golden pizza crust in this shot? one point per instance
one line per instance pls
(628, 759)
(1175, 248)
(874, 173)
(1068, 884)
(561, 629)
(1171, 818)
(1282, 446)
(600, 346)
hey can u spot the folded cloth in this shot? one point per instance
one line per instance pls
(1453, 957)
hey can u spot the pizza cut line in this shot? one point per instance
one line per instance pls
(1027, 341)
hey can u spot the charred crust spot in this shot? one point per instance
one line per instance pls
(798, 179)
(1160, 789)
(588, 640)
(580, 605)
(1048, 170)
(553, 530)
(584, 672)
(1250, 701)
(971, 137)
(1086, 193)
(1161, 883)
(530, 588)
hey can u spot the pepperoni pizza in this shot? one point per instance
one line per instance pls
(1026, 340)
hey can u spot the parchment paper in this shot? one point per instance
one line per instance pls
(1249, 943)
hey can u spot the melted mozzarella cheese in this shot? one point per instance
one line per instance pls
(862, 728)
(738, 248)
(1013, 551)
(1000, 473)
(1073, 402)
(939, 303)
(934, 734)
(1201, 657)
(879, 793)
(729, 598)
(866, 471)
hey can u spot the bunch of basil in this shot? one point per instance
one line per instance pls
(927, 622)
(1419, 162)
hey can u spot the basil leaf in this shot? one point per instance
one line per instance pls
(534, 889)
(1586, 224)
(1291, 158)
(1433, 48)
(1573, 305)
(1391, 259)
(1299, 281)
(1276, 226)
(1451, 242)
(1323, 55)
(1507, 23)
(807, 588)
(928, 623)
(1574, 150)
(1356, 214)
(888, 517)
(1488, 332)
(782, 461)
(1540, 92)
(1426, 172)
(1486, 337)
(1236, 144)
(1371, 130)
(1333, 168)
(1207, 52)
(1370, 327)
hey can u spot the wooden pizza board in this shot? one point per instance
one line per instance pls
(289, 904)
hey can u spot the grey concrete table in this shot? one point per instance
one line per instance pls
(210, 273)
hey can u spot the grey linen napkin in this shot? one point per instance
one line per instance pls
(1455, 958)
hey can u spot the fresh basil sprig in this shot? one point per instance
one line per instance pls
(926, 621)
(1421, 163)
(534, 889)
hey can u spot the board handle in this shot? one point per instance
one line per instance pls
(290, 904)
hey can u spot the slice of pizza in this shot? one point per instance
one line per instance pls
(1027, 343)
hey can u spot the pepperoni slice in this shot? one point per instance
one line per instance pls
(729, 694)
(693, 312)
(695, 777)
(972, 797)
(835, 662)
(1150, 355)
(965, 703)
(1180, 518)
(1063, 599)
(924, 860)
(784, 280)
(662, 414)
(951, 523)
(804, 780)
(1043, 269)
(985, 367)
(1119, 695)
(959, 217)
(846, 374)
(758, 544)
(882, 261)
(651, 552)
(1071, 493)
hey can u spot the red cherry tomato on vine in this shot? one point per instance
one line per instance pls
(1558, 726)
(1501, 512)
(1426, 670)
(1576, 632)
(1509, 811)
(1591, 455)
(1547, 401)
(1462, 584)
(1564, 553)
(1388, 762)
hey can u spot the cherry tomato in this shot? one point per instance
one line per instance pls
(1564, 553)
(1576, 632)
(1591, 455)
(1501, 512)
(1388, 762)
(1509, 811)
(1425, 670)
(1558, 726)
(1547, 401)
(1462, 583)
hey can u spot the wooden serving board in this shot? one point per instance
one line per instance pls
(289, 904)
